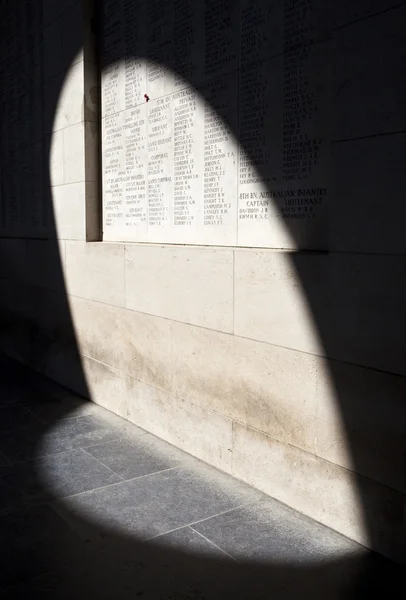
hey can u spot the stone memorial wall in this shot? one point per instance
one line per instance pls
(242, 123)
(216, 122)
(22, 105)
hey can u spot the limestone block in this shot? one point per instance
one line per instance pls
(52, 90)
(33, 262)
(345, 12)
(56, 163)
(365, 319)
(193, 285)
(270, 299)
(12, 258)
(362, 428)
(369, 87)
(74, 153)
(357, 507)
(367, 210)
(37, 330)
(141, 345)
(68, 205)
(53, 57)
(92, 141)
(338, 305)
(91, 100)
(270, 388)
(93, 218)
(44, 263)
(199, 431)
(69, 99)
(96, 271)
(52, 9)
(73, 34)
(107, 387)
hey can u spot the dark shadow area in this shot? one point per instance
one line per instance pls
(41, 556)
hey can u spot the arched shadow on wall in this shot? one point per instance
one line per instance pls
(337, 317)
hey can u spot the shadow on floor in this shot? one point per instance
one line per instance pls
(101, 508)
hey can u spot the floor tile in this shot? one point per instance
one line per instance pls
(51, 477)
(145, 573)
(270, 531)
(52, 409)
(157, 503)
(13, 392)
(136, 456)
(46, 388)
(360, 577)
(27, 443)
(189, 542)
(176, 529)
(34, 542)
(15, 415)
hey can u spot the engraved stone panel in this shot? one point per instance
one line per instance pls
(370, 76)
(216, 124)
(22, 112)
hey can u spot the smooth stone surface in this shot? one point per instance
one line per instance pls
(138, 456)
(25, 442)
(51, 477)
(38, 542)
(137, 507)
(193, 285)
(105, 388)
(16, 415)
(188, 540)
(224, 154)
(69, 108)
(322, 490)
(102, 552)
(315, 303)
(95, 271)
(68, 203)
(56, 164)
(74, 153)
(271, 531)
(270, 302)
(176, 421)
(239, 378)
(365, 174)
(69, 407)
(369, 77)
(361, 577)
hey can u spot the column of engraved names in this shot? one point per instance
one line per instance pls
(159, 157)
(135, 166)
(300, 147)
(114, 173)
(259, 107)
(259, 136)
(184, 166)
(184, 35)
(219, 155)
(221, 36)
(135, 48)
(159, 46)
(112, 55)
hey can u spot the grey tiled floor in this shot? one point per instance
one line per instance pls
(91, 506)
